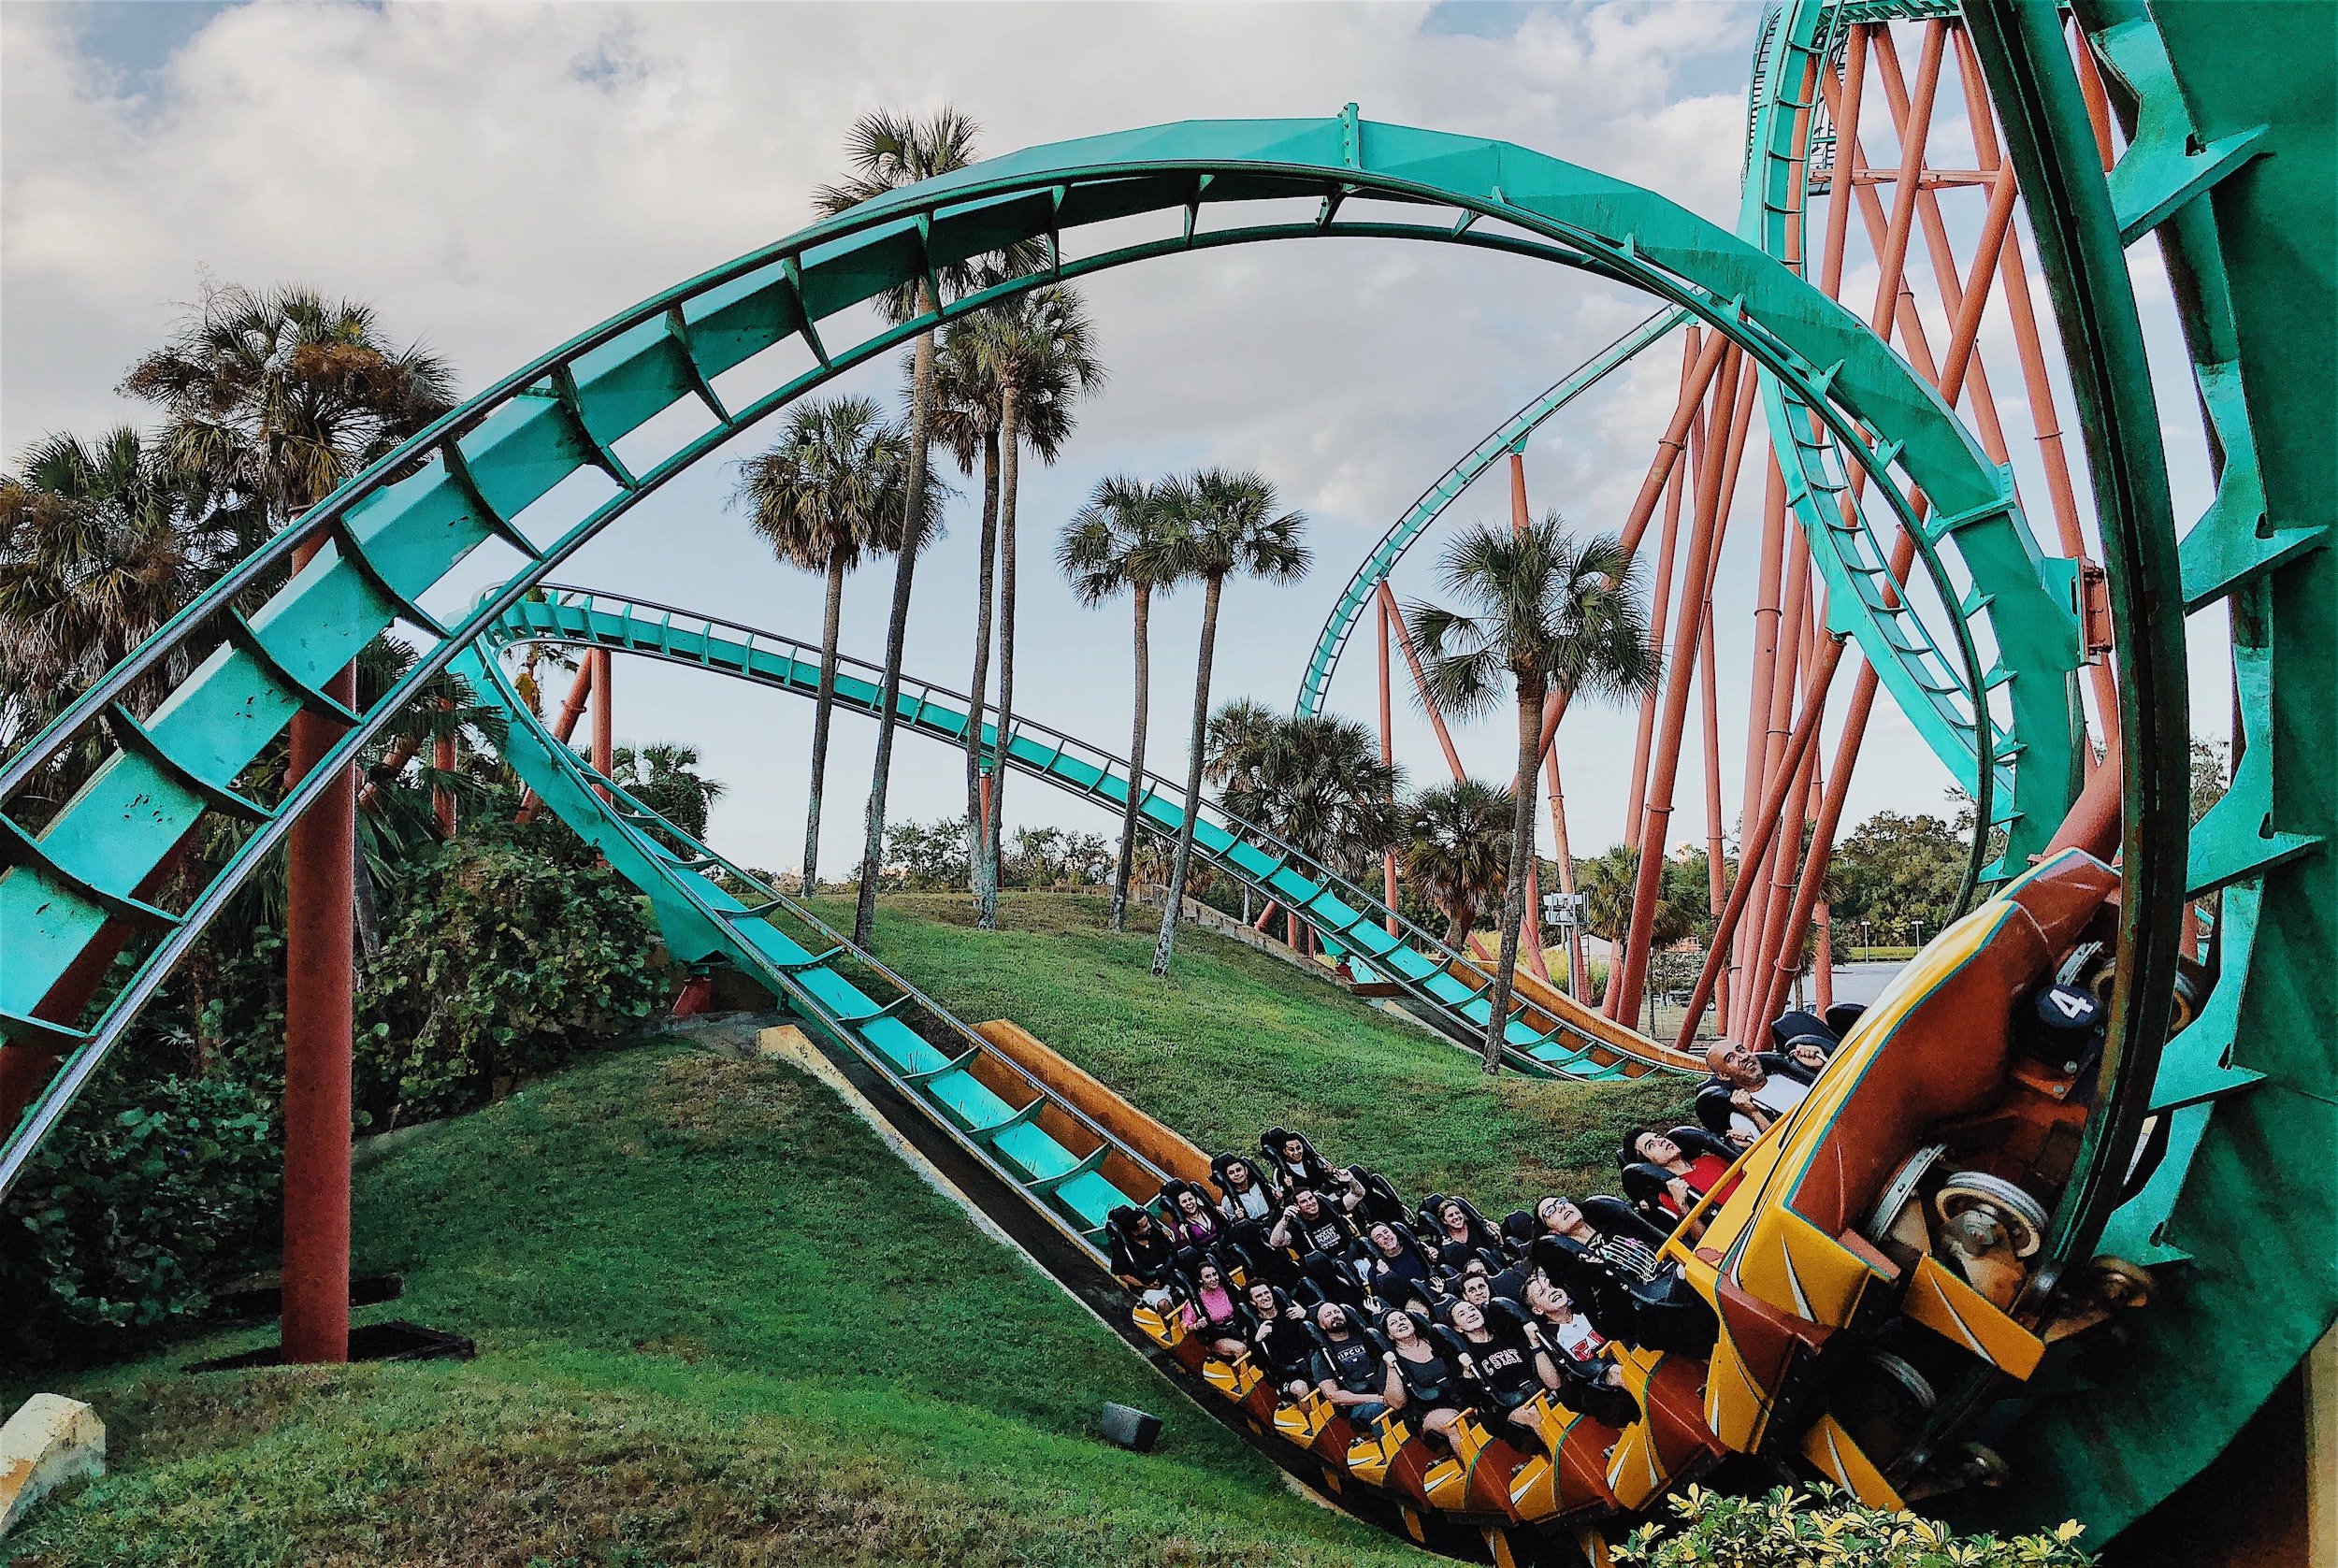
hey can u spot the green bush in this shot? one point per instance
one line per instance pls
(147, 1193)
(513, 950)
(1794, 1529)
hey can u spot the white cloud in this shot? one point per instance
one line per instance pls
(495, 178)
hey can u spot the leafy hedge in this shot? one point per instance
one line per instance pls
(514, 949)
(148, 1193)
(1796, 1529)
(506, 953)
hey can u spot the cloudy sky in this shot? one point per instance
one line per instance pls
(495, 178)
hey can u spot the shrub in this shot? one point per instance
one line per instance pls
(147, 1193)
(513, 950)
(1793, 1530)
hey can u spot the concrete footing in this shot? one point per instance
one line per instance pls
(50, 1440)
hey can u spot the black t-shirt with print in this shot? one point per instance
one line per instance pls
(1353, 1364)
(1505, 1365)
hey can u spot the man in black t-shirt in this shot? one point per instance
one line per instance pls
(1347, 1369)
(1311, 1225)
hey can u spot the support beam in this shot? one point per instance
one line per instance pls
(320, 1029)
(1628, 971)
(1420, 680)
(604, 737)
(1388, 757)
(2038, 385)
(1661, 599)
(571, 709)
(1764, 825)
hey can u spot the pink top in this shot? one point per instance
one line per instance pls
(1217, 1304)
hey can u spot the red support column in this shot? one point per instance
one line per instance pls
(1659, 603)
(1420, 680)
(1708, 681)
(2045, 422)
(571, 709)
(2098, 101)
(604, 735)
(442, 761)
(320, 1029)
(1530, 918)
(1763, 826)
(1669, 445)
(1388, 758)
(1628, 971)
(1578, 971)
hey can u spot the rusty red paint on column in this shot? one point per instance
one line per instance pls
(320, 1028)
(604, 733)
(2045, 422)
(1660, 600)
(1623, 993)
(1763, 826)
(571, 709)
(1388, 759)
(1420, 680)
(443, 762)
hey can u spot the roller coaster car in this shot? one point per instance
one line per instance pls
(1388, 1453)
(1880, 1236)
(1473, 1482)
(1570, 1481)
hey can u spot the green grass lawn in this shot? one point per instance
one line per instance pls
(1235, 1041)
(718, 1323)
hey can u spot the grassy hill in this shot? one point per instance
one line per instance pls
(1235, 1041)
(718, 1323)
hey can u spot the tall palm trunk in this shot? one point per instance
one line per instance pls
(986, 578)
(831, 627)
(1010, 471)
(1521, 858)
(1141, 704)
(897, 626)
(1175, 903)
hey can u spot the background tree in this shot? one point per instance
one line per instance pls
(1899, 872)
(665, 778)
(1039, 351)
(965, 422)
(272, 397)
(1555, 616)
(98, 547)
(1123, 542)
(1241, 734)
(884, 151)
(832, 490)
(1320, 786)
(1456, 850)
(1232, 526)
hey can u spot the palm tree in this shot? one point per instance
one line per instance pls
(272, 398)
(1231, 524)
(965, 422)
(1456, 849)
(1557, 617)
(97, 549)
(1316, 782)
(887, 150)
(832, 490)
(1122, 538)
(1039, 351)
(665, 778)
(1241, 734)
